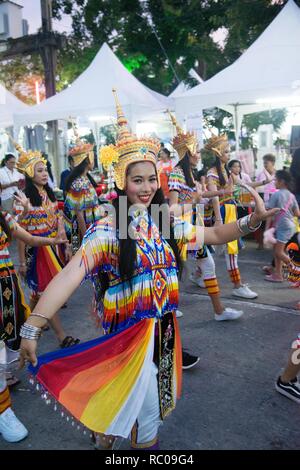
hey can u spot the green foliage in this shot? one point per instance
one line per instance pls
(274, 116)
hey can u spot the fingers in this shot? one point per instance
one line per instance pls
(29, 356)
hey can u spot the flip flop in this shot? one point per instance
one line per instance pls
(12, 380)
(272, 278)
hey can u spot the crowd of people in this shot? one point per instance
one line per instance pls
(127, 381)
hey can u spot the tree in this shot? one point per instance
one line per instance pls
(251, 123)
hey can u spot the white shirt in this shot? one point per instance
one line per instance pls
(7, 177)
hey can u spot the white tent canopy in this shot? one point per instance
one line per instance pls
(266, 76)
(90, 95)
(9, 105)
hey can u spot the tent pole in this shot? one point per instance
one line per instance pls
(237, 129)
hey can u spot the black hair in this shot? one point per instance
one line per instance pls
(232, 162)
(5, 226)
(33, 194)
(218, 165)
(7, 157)
(167, 151)
(78, 171)
(283, 175)
(269, 157)
(185, 165)
(127, 246)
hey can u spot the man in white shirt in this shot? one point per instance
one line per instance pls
(10, 181)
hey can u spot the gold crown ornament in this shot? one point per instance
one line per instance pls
(217, 144)
(27, 160)
(127, 150)
(81, 150)
(183, 141)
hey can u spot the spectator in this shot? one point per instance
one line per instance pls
(10, 180)
(268, 173)
(283, 222)
(165, 166)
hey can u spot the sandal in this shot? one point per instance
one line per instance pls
(12, 380)
(267, 269)
(103, 441)
(69, 341)
(273, 278)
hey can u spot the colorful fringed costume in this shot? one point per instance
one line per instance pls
(13, 309)
(81, 197)
(103, 383)
(43, 262)
(293, 248)
(129, 379)
(13, 313)
(178, 183)
(228, 210)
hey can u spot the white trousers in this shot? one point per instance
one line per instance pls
(148, 420)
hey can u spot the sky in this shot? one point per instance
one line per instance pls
(32, 13)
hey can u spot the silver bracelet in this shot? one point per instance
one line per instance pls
(30, 332)
(244, 227)
(39, 315)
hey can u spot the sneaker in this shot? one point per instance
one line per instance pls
(11, 428)
(290, 390)
(179, 313)
(229, 314)
(188, 360)
(197, 280)
(244, 292)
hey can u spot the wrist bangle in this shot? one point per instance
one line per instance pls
(253, 229)
(22, 264)
(30, 332)
(38, 315)
(244, 226)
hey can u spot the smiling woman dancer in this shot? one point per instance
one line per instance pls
(225, 210)
(128, 380)
(38, 265)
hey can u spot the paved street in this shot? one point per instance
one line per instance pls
(228, 400)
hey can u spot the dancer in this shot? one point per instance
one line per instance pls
(225, 209)
(13, 313)
(81, 207)
(38, 265)
(185, 190)
(129, 379)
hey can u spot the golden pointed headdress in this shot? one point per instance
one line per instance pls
(183, 141)
(27, 160)
(127, 150)
(217, 144)
(81, 150)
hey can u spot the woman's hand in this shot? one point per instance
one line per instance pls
(198, 195)
(61, 233)
(28, 352)
(23, 201)
(260, 212)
